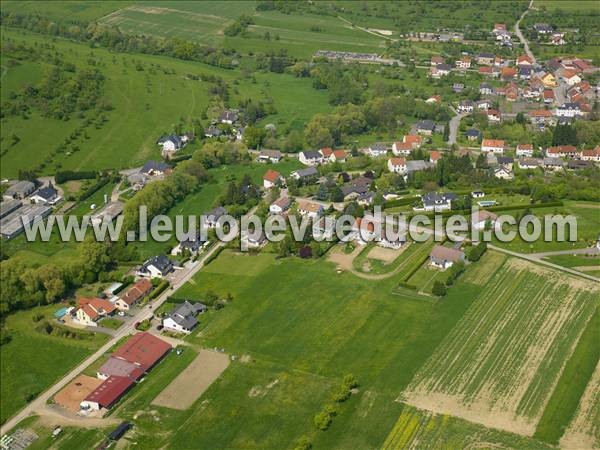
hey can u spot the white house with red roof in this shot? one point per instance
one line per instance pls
(272, 178)
(524, 150)
(92, 309)
(397, 165)
(492, 146)
(402, 148)
(434, 156)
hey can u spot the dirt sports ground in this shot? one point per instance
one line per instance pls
(74, 393)
(193, 381)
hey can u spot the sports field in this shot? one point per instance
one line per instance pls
(502, 361)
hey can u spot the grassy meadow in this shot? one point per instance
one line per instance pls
(27, 371)
(145, 104)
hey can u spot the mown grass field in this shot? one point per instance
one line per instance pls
(302, 324)
(146, 104)
(25, 370)
(500, 364)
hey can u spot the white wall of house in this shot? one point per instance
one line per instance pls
(170, 324)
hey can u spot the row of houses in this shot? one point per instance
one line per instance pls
(90, 310)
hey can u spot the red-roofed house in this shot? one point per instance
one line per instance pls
(570, 77)
(563, 151)
(338, 156)
(402, 148)
(272, 178)
(524, 61)
(591, 155)
(397, 165)
(463, 63)
(538, 116)
(92, 309)
(326, 152)
(134, 294)
(413, 140)
(492, 146)
(434, 156)
(525, 150)
(509, 73)
(493, 116)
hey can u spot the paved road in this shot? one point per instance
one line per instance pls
(520, 35)
(454, 124)
(40, 402)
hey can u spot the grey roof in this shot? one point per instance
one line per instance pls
(312, 154)
(569, 106)
(553, 161)
(185, 314)
(435, 198)
(175, 140)
(47, 192)
(308, 172)
(505, 160)
(271, 154)
(419, 164)
(473, 132)
(358, 185)
(426, 125)
(228, 115)
(213, 131)
(8, 206)
(577, 164)
(154, 166)
(20, 187)
(379, 147)
(446, 67)
(215, 213)
(161, 262)
(193, 243)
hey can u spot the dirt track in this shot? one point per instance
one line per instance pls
(193, 381)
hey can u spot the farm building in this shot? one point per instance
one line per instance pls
(47, 195)
(19, 190)
(273, 156)
(127, 364)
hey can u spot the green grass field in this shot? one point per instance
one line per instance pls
(25, 370)
(307, 342)
(422, 429)
(146, 104)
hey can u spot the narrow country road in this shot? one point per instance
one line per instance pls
(40, 402)
(520, 34)
(577, 251)
(454, 124)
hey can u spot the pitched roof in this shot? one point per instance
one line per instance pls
(492, 143)
(155, 166)
(272, 175)
(326, 152)
(99, 305)
(308, 172)
(142, 349)
(309, 206)
(442, 253)
(121, 368)
(110, 390)
(412, 139)
(397, 161)
(137, 291)
(525, 147)
(434, 155)
(339, 154)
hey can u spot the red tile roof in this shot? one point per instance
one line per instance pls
(137, 291)
(412, 139)
(492, 143)
(142, 349)
(99, 305)
(435, 155)
(272, 175)
(326, 152)
(398, 161)
(110, 390)
(339, 154)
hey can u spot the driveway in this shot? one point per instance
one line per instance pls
(520, 35)
(454, 124)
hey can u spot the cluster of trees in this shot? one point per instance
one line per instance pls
(476, 252)
(323, 419)
(376, 114)
(240, 196)
(215, 153)
(62, 90)
(113, 39)
(161, 195)
(25, 285)
(239, 26)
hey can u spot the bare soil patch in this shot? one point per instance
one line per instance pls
(76, 391)
(387, 255)
(193, 381)
(344, 260)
